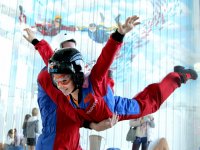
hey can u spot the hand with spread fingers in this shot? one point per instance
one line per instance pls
(129, 24)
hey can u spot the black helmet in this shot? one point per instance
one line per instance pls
(68, 61)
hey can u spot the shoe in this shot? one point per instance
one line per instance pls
(185, 74)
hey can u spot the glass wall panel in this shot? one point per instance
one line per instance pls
(167, 36)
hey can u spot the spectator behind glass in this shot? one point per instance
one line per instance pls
(24, 127)
(15, 140)
(32, 129)
(143, 131)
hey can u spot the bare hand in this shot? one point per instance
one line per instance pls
(30, 34)
(105, 124)
(129, 24)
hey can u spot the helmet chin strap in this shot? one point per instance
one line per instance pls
(75, 88)
(79, 94)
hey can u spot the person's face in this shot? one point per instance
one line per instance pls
(11, 135)
(92, 27)
(64, 83)
(68, 45)
(57, 23)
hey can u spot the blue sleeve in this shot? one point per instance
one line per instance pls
(125, 106)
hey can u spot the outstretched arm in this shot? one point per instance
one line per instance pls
(110, 50)
(130, 23)
(42, 46)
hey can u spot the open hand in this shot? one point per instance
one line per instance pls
(105, 124)
(130, 23)
(30, 35)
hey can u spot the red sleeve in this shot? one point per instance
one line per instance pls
(44, 79)
(99, 71)
(44, 50)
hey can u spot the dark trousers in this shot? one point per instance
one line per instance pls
(140, 141)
